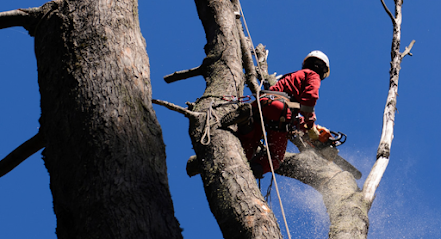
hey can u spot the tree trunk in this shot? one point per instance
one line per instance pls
(230, 187)
(104, 148)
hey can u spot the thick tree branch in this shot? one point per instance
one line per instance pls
(176, 108)
(14, 18)
(341, 195)
(21, 153)
(185, 74)
(29, 18)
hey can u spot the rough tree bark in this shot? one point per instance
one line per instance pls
(231, 190)
(104, 148)
(230, 187)
(103, 145)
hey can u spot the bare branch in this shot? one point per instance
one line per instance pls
(247, 58)
(383, 152)
(407, 50)
(21, 153)
(176, 108)
(185, 74)
(248, 64)
(14, 18)
(262, 56)
(388, 12)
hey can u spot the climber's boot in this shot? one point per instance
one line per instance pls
(241, 115)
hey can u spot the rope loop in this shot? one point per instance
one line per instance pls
(205, 140)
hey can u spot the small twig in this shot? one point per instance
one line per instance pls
(185, 74)
(175, 108)
(407, 50)
(388, 12)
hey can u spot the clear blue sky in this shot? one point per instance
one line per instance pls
(356, 35)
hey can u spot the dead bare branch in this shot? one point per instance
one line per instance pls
(185, 74)
(21, 153)
(176, 108)
(383, 152)
(408, 49)
(246, 47)
(262, 57)
(14, 18)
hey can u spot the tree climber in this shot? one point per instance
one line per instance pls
(279, 115)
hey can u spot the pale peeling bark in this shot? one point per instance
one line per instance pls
(383, 152)
(103, 145)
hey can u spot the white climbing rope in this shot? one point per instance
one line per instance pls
(263, 125)
(206, 139)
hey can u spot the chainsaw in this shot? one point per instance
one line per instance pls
(326, 143)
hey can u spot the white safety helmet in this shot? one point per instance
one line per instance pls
(320, 55)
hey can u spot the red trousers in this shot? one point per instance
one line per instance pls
(277, 140)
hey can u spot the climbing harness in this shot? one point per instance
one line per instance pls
(283, 124)
(263, 125)
(206, 139)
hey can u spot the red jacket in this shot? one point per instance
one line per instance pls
(303, 85)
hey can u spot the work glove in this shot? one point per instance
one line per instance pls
(309, 119)
(313, 133)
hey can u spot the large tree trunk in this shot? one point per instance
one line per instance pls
(230, 187)
(104, 148)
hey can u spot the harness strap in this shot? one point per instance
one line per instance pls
(282, 124)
